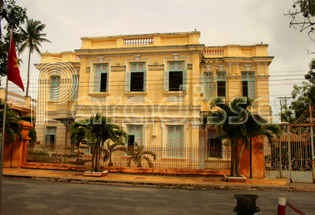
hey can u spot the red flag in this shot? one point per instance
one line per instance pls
(13, 68)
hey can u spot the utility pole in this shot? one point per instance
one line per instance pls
(285, 99)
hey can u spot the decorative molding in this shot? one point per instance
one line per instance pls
(208, 67)
(156, 59)
(262, 76)
(175, 56)
(118, 60)
(100, 59)
(137, 57)
(195, 125)
(127, 61)
(233, 76)
(118, 68)
(258, 68)
(88, 69)
(157, 67)
(175, 99)
(221, 68)
(136, 99)
(172, 58)
(189, 66)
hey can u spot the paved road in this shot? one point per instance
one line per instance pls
(30, 197)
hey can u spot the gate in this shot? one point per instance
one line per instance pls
(292, 155)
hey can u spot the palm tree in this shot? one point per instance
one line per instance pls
(137, 153)
(32, 38)
(77, 136)
(110, 149)
(97, 130)
(240, 133)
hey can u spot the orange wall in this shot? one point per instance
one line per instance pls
(258, 169)
(19, 150)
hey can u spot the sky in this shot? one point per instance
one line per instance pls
(221, 22)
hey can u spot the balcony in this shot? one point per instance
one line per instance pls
(214, 52)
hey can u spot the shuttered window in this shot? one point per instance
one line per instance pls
(221, 84)
(248, 85)
(136, 78)
(134, 135)
(101, 77)
(50, 137)
(175, 141)
(54, 84)
(175, 78)
(75, 87)
(207, 85)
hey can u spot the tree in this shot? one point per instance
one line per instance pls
(77, 136)
(110, 149)
(32, 38)
(14, 16)
(96, 131)
(302, 96)
(302, 16)
(12, 125)
(237, 123)
(137, 153)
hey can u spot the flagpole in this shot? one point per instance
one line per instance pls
(3, 126)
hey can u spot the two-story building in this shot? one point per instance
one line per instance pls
(156, 86)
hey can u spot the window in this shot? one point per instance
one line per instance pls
(214, 145)
(175, 141)
(100, 77)
(134, 135)
(248, 85)
(175, 79)
(136, 78)
(221, 84)
(207, 85)
(54, 84)
(75, 87)
(50, 138)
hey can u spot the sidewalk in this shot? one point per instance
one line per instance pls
(157, 181)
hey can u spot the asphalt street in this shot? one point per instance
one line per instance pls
(31, 197)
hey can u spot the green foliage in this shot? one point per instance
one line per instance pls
(12, 125)
(14, 16)
(30, 119)
(110, 149)
(307, 7)
(137, 153)
(302, 16)
(32, 37)
(302, 96)
(33, 136)
(237, 123)
(96, 131)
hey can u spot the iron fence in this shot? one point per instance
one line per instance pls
(175, 158)
(292, 151)
(53, 154)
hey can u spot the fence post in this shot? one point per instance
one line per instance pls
(312, 142)
(281, 205)
(289, 151)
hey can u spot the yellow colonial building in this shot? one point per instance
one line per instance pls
(156, 86)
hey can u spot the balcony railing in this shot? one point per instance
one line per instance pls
(214, 52)
(138, 41)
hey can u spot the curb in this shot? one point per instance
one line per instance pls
(170, 185)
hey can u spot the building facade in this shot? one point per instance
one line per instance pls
(156, 86)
